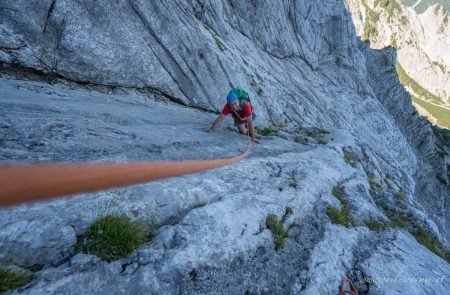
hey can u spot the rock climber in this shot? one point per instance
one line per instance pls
(238, 104)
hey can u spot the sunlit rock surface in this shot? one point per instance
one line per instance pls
(137, 80)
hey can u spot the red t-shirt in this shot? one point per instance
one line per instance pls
(241, 115)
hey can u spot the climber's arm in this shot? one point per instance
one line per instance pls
(219, 120)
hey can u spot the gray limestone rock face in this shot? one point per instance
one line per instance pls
(37, 239)
(131, 80)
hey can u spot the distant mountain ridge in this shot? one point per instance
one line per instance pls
(421, 42)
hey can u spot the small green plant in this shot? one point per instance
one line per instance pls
(322, 141)
(311, 134)
(388, 184)
(432, 243)
(339, 216)
(215, 37)
(374, 185)
(394, 40)
(338, 192)
(348, 158)
(399, 222)
(374, 225)
(278, 232)
(400, 195)
(219, 43)
(265, 132)
(370, 27)
(10, 280)
(390, 6)
(113, 237)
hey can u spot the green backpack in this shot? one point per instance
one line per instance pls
(242, 96)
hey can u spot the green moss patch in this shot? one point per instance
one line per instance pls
(370, 23)
(10, 280)
(374, 185)
(278, 232)
(338, 192)
(394, 40)
(265, 132)
(400, 195)
(432, 243)
(375, 225)
(389, 6)
(339, 216)
(348, 158)
(399, 222)
(216, 38)
(113, 237)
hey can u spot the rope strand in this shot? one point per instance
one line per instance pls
(21, 183)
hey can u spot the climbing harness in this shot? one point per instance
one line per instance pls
(21, 183)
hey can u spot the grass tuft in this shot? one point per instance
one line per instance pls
(432, 243)
(219, 43)
(278, 232)
(374, 185)
(311, 134)
(338, 192)
(265, 132)
(348, 158)
(10, 280)
(339, 216)
(400, 195)
(399, 222)
(113, 237)
(374, 225)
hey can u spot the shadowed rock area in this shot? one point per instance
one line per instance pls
(142, 80)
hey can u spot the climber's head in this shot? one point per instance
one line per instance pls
(231, 97)
(232, 100)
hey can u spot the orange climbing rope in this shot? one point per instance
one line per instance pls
(21, 183)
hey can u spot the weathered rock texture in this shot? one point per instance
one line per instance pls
(305, 69)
